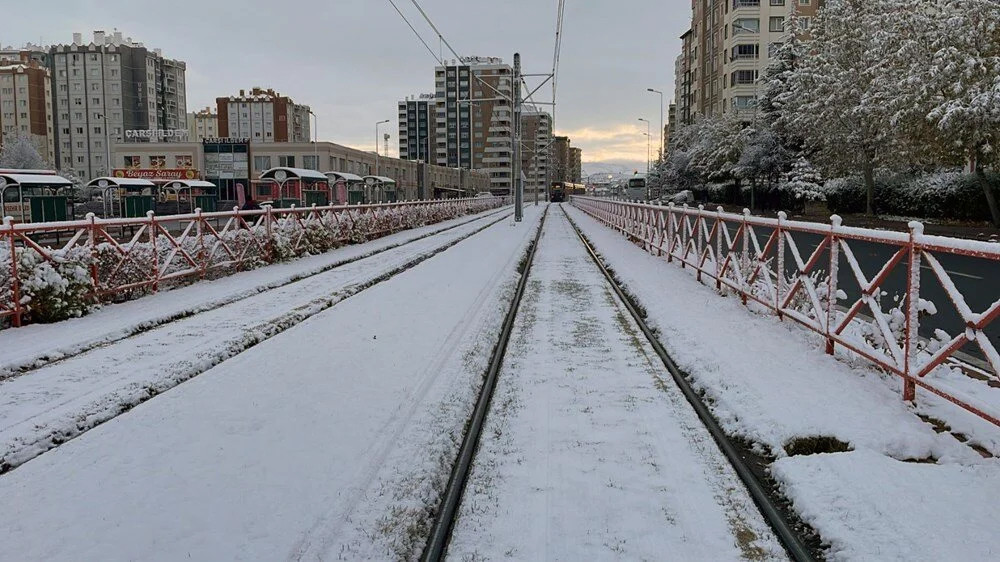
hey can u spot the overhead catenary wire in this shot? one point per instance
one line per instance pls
(415, 32)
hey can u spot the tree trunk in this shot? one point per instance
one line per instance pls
(991, 199)
(868, 170)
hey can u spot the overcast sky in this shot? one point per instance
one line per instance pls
(352, 60)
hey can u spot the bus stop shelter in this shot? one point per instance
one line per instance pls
(200, 194)
(381, 189)
(347, 188)
(295, 186)
(135, 197)
(35, 196)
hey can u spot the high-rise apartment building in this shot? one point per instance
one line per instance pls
(417, 128)
(536, 144)
(112, 90)
(203, 125)
(726, 50)
(263, 116)
(561, 159)
(26, 103)
(575, 164)
(473, 121)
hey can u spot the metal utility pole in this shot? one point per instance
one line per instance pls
(648, 137)
(663, 149)
(315, 138)
(376, 144)
(516, 164)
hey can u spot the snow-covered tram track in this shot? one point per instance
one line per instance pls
(52, 404)
(65, 346)
(592, 448)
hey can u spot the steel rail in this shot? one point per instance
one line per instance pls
(34, 364)
(437, 542)
(788, 537)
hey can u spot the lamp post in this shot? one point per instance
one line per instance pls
(107, 144)
(376, 143)
(648, 136)
(316, 139)
(663, 149)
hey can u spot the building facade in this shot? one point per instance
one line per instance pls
(575, 164)
(203, 125)
(536, 141)
(726, 50)
(417, 128)
(26, 103)
(112, 90)
(473, 121)
(416, 180)
(263, 116)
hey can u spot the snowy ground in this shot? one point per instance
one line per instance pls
(771, 383)
(37, 344)
(289, 448)
(61, 399)
(590, 452)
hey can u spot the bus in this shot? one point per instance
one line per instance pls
(635, 190)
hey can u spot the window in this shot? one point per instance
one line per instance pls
(742, 77)
(746, 52)
(132, 161)
(286, 161)
(184, 161)
(772, 49)
(804, 23)
(777, 2)
(744, 102)
(805, 2)
(310, 162)
(97, 130)
(776, 23)
(746, 25)
(79, 130)
(157, 161)
(261, 163)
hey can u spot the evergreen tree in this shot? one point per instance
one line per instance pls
(20, 153)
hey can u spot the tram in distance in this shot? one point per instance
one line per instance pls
(562, 189)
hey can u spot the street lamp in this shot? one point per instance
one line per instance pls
(648, 136)
(316, 139)
(376, 143)
(663, 149)
(107, 143)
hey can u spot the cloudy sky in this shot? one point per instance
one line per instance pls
(352, 60)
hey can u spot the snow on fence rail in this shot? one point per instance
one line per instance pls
(120, 259)
(726, 248)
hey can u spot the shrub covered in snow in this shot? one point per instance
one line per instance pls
(946, 195)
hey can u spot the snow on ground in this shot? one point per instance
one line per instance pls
(272, 453)
(38, 344)
(770, 382)
(590, 452)
(47, 406)
(871, 507)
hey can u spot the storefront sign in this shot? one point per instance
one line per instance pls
(157, 173)
(226, 141)
(156, 134)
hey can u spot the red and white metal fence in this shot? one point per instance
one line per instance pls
(121, 258)
(760, 260)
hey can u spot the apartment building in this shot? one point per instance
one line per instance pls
(727, 49)
(263, 116)
(26, 102)
(536, 141)
(473, 120)
(575, 164)
(109, 91)
(560, 155)
(203, 124)
(417, 128)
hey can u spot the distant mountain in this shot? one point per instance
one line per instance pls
(623, 168)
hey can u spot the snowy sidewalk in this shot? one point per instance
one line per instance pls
(288, 449)
(589, 451)
(37, 344)
(62, 399)
(771, 383)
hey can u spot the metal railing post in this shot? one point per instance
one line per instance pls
(912, 310)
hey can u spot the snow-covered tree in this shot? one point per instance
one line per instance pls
(804, 182)
(947, 69)
(837, 100)
(19, 152)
